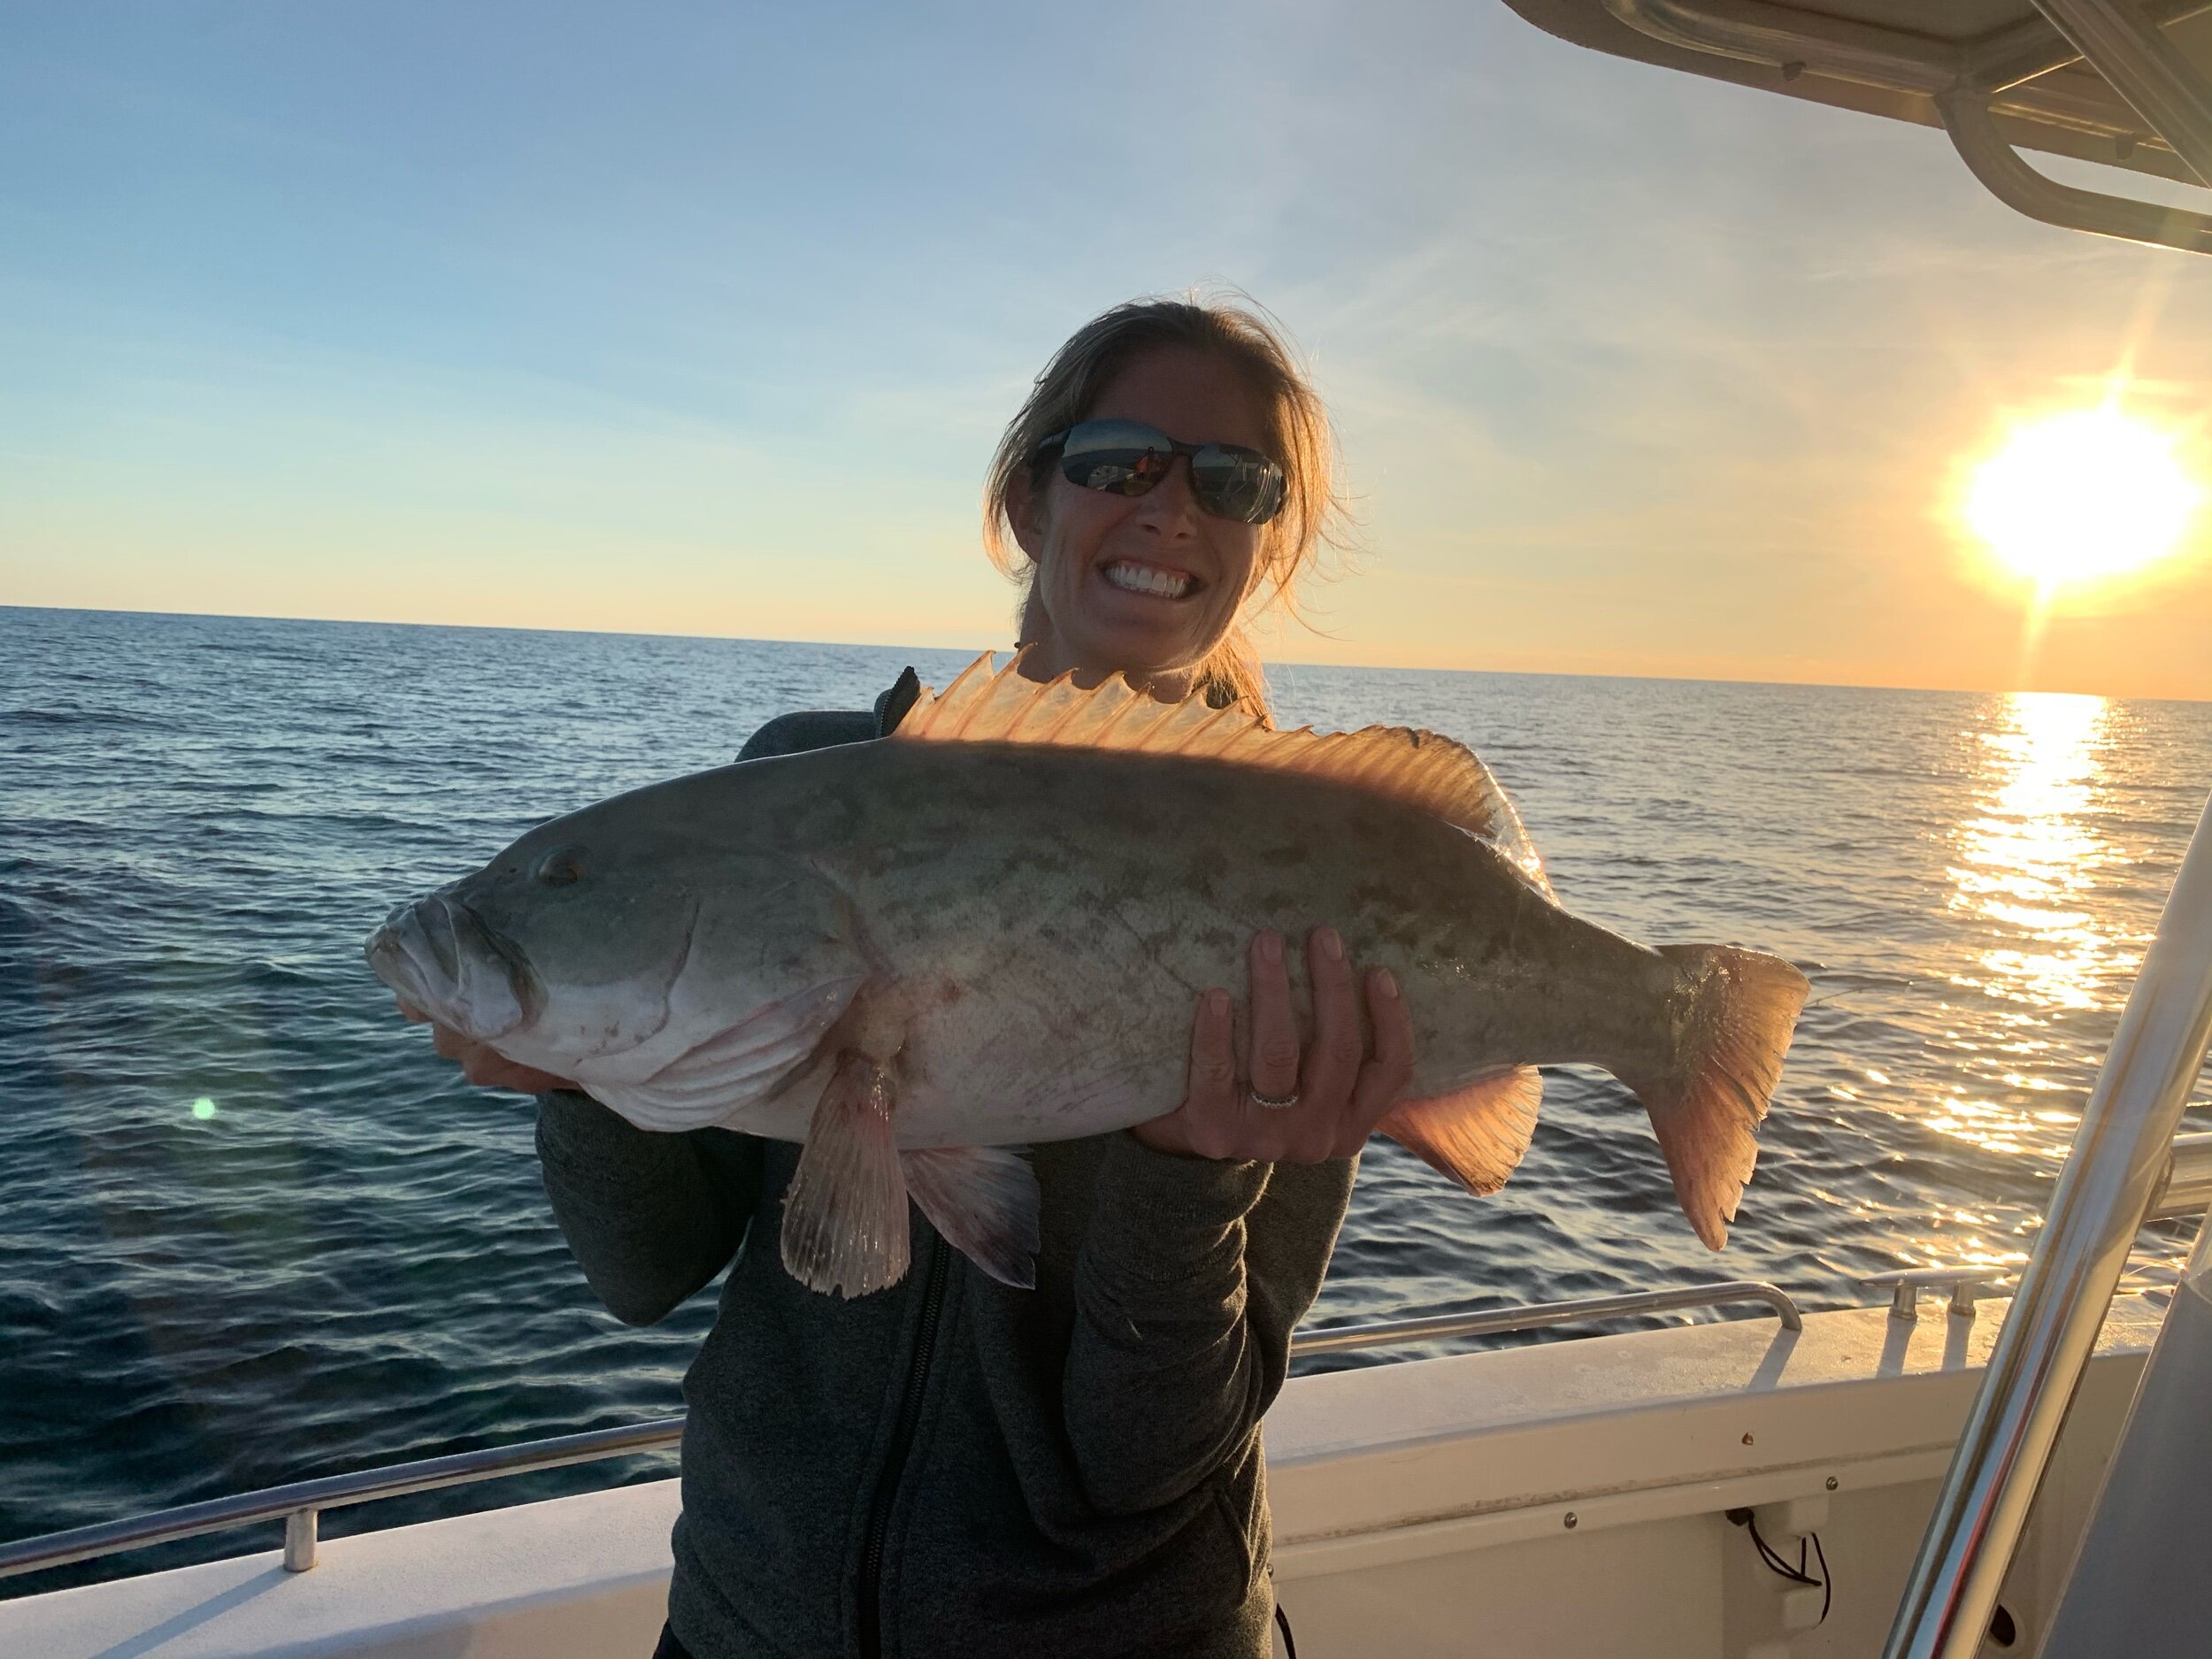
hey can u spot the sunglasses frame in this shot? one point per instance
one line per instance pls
(1168, 448)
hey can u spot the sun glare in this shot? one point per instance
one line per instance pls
(2082, 495)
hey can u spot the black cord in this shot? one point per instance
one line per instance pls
(1797, 1574)
(1290, 1644)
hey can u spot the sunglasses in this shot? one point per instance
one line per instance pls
(1127, 458)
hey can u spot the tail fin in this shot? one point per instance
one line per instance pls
(1706, 1112)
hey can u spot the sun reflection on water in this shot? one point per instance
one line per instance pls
(2028, 863)
(2023, 874)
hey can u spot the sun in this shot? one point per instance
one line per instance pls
(2082, 495)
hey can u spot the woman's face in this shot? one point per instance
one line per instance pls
(1145, 583)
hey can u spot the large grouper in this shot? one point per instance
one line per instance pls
(990, 928)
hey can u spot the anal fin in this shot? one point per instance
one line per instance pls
(844, 1214)
(984, 1200)
(1476, 1135)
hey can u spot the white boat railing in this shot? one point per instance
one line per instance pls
(300, 1504)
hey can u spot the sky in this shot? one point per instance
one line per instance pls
(704, 319)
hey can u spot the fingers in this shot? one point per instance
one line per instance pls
(1331, 1064)
(1383, 1078)
(1213, 1108)
(1342, 1092)
(487, 1070)
(1274, 1043)
(486, 1067)
(409, 1012)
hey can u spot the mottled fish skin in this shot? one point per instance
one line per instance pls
(994, 943)
(1045, 921)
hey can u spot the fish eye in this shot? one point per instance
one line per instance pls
(562, 867)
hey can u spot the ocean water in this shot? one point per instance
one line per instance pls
(251, 1230)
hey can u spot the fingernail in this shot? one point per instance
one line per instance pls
(1217, 1004)
(1271, 947)
(1331, 944)
(1386, 982)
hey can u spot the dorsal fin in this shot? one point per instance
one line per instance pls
(987, 704)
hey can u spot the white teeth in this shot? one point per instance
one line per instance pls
(1142, 579)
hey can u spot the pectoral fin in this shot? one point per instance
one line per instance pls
(1477, 1134)
(984, 1200)
(844, 1214)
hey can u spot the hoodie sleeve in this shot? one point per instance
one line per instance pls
(653, 1217)
(1194, 1272)
(650, 1218)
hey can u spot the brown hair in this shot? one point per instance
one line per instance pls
(1297, 431)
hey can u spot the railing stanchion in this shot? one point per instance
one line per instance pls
(299, 1540)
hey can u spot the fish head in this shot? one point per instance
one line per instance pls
(604, 945)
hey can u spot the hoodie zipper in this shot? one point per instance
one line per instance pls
(870, 1600)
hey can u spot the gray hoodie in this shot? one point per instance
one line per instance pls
(949, 1466)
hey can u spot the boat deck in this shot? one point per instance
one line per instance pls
(1564, 1498)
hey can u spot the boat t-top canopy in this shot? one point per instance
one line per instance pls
(2103, 80)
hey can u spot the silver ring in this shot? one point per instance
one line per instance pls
(1274, 1104)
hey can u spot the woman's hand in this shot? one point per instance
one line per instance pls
(1341, 1092)
(481, 1066)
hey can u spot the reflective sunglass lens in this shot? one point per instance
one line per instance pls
(1124, 472)
(1125, 456)
(1128, 457)
(1236, 483)
(1114, 434)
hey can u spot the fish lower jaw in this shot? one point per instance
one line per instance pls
(1147, 580)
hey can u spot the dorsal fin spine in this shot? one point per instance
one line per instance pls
(987, 704)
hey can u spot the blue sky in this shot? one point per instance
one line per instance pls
(704, 319)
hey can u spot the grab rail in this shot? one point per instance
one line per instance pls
(1535, 1317)
(2186, 1190)
(2184, 1193)
(300, 1504)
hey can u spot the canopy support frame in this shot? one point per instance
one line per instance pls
(1969, 82)
(2007, 175)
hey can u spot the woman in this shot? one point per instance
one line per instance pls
(951, 1466)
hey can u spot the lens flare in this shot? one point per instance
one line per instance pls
(2082, 495)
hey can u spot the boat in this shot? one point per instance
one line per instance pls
(1971, 1464)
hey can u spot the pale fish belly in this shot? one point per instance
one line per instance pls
(1059, 1109)
(1003, 1068)
(1067, 1109)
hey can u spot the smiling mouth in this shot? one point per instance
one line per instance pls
(1151, 580)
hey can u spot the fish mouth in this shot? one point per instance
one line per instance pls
(439, 956)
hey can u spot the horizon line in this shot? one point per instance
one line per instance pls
(1287, 661)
